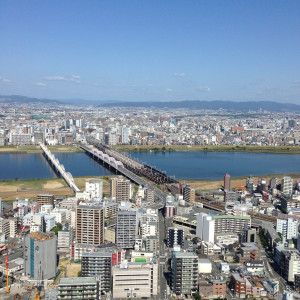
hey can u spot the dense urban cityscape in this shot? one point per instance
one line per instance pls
(140, 233)
(149, 150)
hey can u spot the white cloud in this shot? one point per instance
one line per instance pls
(72, 78)
(179, 75)
(169, 90)
(55, 78)
(4, 80)
(203, 88)
(40, 84)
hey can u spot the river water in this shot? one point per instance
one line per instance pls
(182, 165)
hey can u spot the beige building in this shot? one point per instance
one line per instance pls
(45, 199)
(90, 224)
(120, 188)
(8, 227)
(110, 235)
(189, 194)
(135, 280)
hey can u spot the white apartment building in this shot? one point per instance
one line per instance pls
(148, 228)
(205, 228)
(60, 215)
(287, 228)
(46, 208)
(287, 185)
(94, 189)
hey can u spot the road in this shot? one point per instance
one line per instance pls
(163, 258)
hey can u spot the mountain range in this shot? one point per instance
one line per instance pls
(270, 106)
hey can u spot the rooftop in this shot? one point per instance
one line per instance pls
(41, 236)
(77, 281)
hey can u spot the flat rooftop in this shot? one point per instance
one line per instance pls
(40, 236)
(77, 281)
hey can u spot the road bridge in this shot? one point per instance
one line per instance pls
(59, 168)
(119, 167)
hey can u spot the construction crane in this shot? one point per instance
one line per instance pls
(6, 263)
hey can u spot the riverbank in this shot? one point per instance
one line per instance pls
(211, 148)
(10, 189)
(37, 149)
(205, 185)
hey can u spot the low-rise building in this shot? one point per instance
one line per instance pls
(78, 288)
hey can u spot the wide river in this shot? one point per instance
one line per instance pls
(182, 165)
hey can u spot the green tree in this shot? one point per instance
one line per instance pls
(79, 274)
(57, 228)
(197, 296)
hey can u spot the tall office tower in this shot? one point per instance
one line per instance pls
(124, 135)
(94, 188)
(98, 264)
(189, 194)
(184, 273)
(40, 256)
(227, 184)
(120, 188)
(126, 229)
(45, 199)
(175, 237)
(287, 185)
(90, 224)
(249, 184)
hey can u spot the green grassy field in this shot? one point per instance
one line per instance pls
(209, 148)
(37, 149)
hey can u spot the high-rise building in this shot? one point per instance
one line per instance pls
(40, 256)
(169, 207)
(184, 273)
(90, 224)
(98, 264)
(189, 194)
(120, 188)
(287, 185)
(273, 183)
(149, 195)
(227, 183)
(249, 184)
(288, 228)
(126, 229)
(124, 135)
(175, 237)
(205, 228)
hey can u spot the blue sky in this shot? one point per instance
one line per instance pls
(151, 50)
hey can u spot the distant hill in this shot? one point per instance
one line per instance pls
(23, 99)
(189, 104)
(214, 105)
